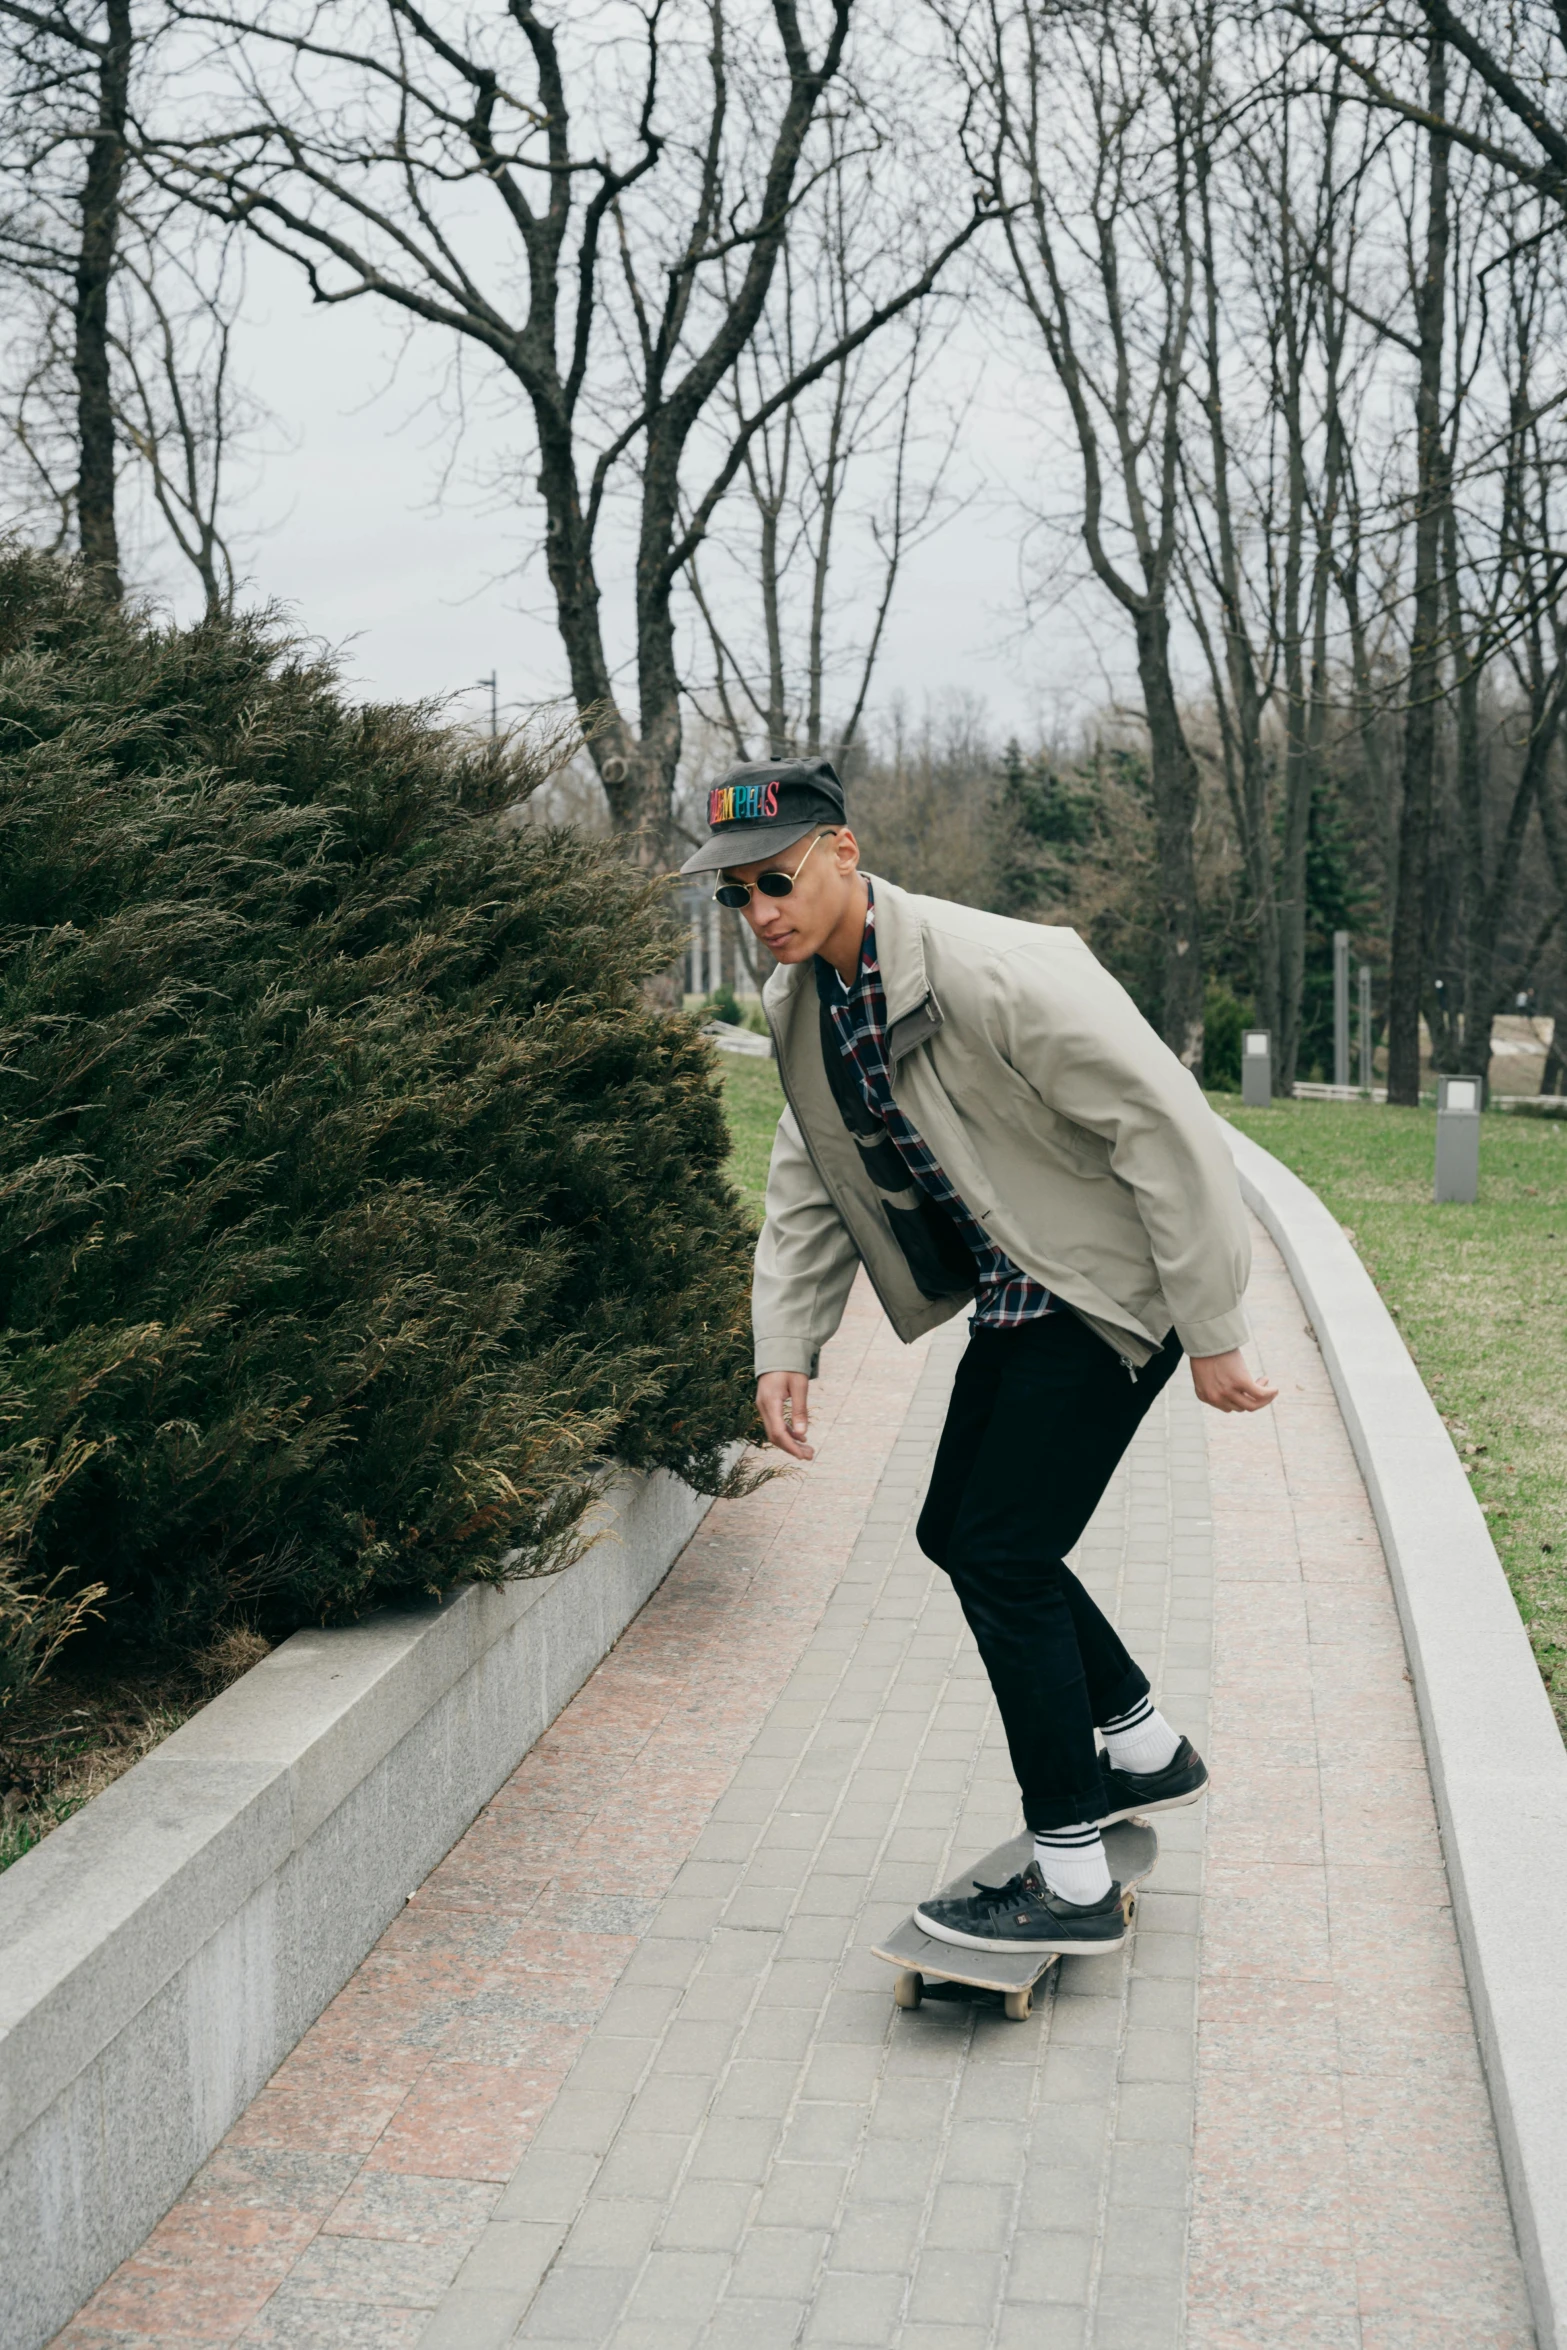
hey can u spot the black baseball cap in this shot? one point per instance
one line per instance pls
(765, 806)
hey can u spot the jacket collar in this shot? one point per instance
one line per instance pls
(912, 1011)
(900, 950)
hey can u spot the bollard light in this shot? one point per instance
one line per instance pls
(1256, 1068)
(1458, 1107)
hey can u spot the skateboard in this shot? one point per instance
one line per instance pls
(928, 1969)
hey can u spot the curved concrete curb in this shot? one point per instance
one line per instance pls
(166, 1948)
(1498, 1766)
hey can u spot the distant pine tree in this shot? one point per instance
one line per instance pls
(1044, 821)
(354, 1203)
(1338, 897)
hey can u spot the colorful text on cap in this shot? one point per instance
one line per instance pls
(741, 803)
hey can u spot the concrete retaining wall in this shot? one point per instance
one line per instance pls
(1498, 1767)
(164, 1950)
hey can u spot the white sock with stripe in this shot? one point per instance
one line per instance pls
(1072, 1861)
(1140, 1740)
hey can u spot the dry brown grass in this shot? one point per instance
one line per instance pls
(64, 1741)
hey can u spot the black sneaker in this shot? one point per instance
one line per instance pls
(1181, 1781)
(1025, 1915)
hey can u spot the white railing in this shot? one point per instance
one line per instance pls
(737, 1040)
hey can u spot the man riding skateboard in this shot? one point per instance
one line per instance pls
(978, 1113)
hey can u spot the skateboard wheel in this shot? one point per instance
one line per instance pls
(908, 1989)
(1129, 1904)
(1020, 2005)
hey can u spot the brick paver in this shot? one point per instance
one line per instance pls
(340, 2205)
(1348, 2191)
(757, 2148)
(625, 2074)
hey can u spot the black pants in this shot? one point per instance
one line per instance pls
(1040, 1415)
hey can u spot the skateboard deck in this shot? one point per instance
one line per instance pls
(950, 1971)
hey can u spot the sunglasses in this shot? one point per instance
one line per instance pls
(736, 894)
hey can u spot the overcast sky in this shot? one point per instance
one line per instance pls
(421, 584)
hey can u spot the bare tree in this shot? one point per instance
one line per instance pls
(177, 405)
(1505, 572)
(1433, 489)
(123, 311)
(1483, 590)
(38, 465)
(1517, 56)
(1279, 205)
(1242, 655)
(70, 80)
(1093, 120)
(600, 206)
(1553, 826)
(787, 541)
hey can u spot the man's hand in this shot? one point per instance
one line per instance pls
(780, 1398)
(1225, 1382)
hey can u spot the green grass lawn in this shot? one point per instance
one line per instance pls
(753, 1098)
(1480, 1295)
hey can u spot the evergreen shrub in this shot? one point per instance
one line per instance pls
(1225, 1021)
(356, 1205)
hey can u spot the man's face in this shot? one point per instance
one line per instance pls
(796, 927)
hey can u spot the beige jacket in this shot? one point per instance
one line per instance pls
(1071, 1132)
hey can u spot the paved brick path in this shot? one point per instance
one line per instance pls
(1348, 2193)
(757, 2149)
(625, 2075)
(339, 2207)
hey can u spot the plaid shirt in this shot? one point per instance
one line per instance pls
(1006, 1294)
